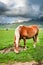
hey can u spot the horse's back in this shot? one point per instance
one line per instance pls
(32, 29)
(29, 31)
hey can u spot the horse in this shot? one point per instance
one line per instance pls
(25, 32)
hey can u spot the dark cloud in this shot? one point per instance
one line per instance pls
(3, 8)
(33, 8)
(37, 2)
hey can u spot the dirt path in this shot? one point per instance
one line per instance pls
(21, 63)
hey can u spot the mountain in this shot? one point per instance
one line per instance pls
(41, 18)
(11, 20)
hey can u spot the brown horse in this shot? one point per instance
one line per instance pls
(25, 32)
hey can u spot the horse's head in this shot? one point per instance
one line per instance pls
(17, 36)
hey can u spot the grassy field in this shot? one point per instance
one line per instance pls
(6, 41)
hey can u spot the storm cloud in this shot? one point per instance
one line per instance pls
(3, 8)
(24, 8)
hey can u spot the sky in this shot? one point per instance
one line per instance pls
(20, 8)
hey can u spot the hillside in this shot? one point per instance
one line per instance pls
(14, 25)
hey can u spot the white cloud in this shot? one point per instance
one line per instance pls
(4, 1)
(17, 3)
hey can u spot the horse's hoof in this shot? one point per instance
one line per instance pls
(25, 48)
(34, 46)
(16, 51)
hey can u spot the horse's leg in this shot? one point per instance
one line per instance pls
(24, 43)
(35, 40)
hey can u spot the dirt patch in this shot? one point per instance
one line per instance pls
(6, 50)
(21, 63)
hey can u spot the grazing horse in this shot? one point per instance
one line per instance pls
(25, 32)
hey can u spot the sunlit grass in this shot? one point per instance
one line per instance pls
(7, 40)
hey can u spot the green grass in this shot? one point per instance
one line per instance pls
(6, 41)
(6, 38)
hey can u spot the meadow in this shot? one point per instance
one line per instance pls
(7, 41)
